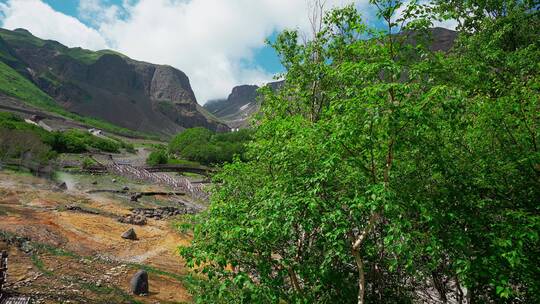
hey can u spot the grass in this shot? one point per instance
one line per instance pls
(36, 260)
(109, 291)
(176, 161)
(55, 250)
(21, 37)
(151, 269)
(14, 84)
(86, 56)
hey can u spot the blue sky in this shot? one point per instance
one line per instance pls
(217, 43)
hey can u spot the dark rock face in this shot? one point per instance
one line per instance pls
(241, 104)
(139, 283)
(443, 39)
(132, 94)
(129, 234)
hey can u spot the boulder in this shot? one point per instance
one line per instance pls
(129, 234)
(139, 283)
(62, 186)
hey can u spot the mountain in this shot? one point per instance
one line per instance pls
(242, 102)
(106, 85)
(239, 106)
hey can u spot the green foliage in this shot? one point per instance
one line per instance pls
(20, 140)
(71, 141)
(206, 147)
(88, 162)
(385, 165)
(193, 136)
(78, 141)
(25, 145)
(157, 157)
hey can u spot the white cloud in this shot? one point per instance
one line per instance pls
(210, 40)
(46, 23)
(207, 39)
(95, 13)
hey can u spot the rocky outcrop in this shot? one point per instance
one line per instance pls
(136, 95)
(239, 106)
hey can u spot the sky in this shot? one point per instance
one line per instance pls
(218, 43)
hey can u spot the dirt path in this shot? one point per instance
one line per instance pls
(80, 256)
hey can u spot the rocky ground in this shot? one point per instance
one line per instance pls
(62, 254)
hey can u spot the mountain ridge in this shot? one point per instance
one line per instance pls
(240, 105)
(107, 85)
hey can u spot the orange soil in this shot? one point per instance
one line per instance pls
(28, 209)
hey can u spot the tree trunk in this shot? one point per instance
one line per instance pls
(361, 276)
(294, 280)
(356, 247)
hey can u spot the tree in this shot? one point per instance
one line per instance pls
(381, 165)
(193, 136)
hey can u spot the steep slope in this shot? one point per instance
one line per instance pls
(239, 106)
(107, 85)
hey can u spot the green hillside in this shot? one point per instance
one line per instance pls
(21, 36)
(16, 85)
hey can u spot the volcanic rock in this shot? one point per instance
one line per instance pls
(139, 283)
(129, 234)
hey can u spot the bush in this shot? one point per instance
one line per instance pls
(158, 157)
(194, 136)
(206, 147)
(25, 145)
(77, 141)
(67, 143)
(87, 162)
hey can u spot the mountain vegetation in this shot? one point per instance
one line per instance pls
(386, 171)
(209, 148)
(20, 140)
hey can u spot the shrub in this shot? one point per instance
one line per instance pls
(206, 147)
(25, 145)
(158, 157)
(87, 162)
(194, 136)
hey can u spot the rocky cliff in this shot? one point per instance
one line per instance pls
(107, 85)
(239, 106)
